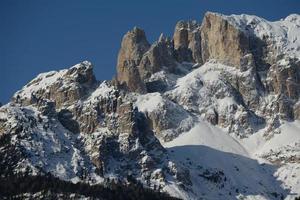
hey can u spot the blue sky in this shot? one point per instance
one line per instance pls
(38, 35)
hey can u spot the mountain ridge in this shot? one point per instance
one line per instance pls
(177, 111)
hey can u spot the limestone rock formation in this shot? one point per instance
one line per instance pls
(64, 87)
(187, 41)
(222, 41)
(160, 54)
(134, 45)
(190, 116)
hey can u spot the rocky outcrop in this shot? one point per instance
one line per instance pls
(297, 110)
(284, 77)
(126, 119)
(187, 41)
(222, 41)
(134, 45)
(114, 137)
(229, 72)
(166, 118)
(283, 80)
(160, 54)
(63, 87)
(65, 117)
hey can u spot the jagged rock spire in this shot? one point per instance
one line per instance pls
(134, 45)
(187, 41)
(222, 41)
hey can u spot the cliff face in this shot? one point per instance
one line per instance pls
(160, 54)
(228, 40)
(134, 45)
(187, 115)
(222, 41)
(187, 41)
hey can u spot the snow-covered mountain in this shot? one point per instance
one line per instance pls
(212, 113)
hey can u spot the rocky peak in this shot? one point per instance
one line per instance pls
(218, 36)
(134, 45)
(187, 41)
(82, 73)
(160, 54)
(229, 72)
(63, 87)
(182, 31)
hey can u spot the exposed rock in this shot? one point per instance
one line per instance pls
(126, 119)
(159, 55)
(63, 87)
(82, 74)
(285, 108)
(65, 117)
(297, 110)
(165, 118)
(181, 174)
(222, 41)
(88, 118)
(47, 108)
(71, 126)
(212, 116)
(285, 78)
(134, 45)
(187, 41)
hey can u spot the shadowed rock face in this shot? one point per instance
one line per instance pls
(217, 72)
(160, 54)
(219, 39)
(187, 41)
(285, 80)
(222, 41)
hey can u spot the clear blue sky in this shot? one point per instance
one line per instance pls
(38, 35)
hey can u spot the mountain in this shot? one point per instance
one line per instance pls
(211, 113)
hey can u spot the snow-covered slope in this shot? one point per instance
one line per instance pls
(48, 146)
(220, 164)
(209, 92)
(221, 128)
(232, 168)
(283, 33)
(282, 150)
(168, 118)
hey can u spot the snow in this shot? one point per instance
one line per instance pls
(149, 102)
(213, 149)
(169, 118)
(208, 90)
(290, 133)
(284, 33)
(42, 81)
(281, 146)
(53, 149)
(251, 168)
(208, 73)
(3, 114)
(225, 103)
(103, 91)
(289, 174)
(85, 63)
(257, 144)
(209, 135)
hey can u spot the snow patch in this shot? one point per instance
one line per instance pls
(149, 102)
